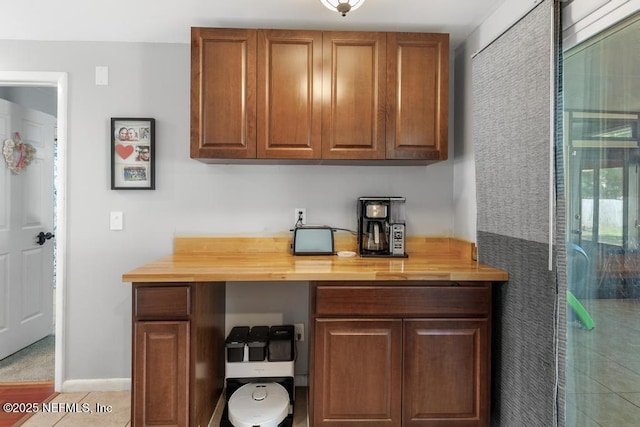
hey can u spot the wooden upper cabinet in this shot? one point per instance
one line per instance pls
(353, 119)
(223, 93)
(417, 96)
(334, 95)
(289, 95)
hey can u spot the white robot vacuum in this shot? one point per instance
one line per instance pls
(259, 404)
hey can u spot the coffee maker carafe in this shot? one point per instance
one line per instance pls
(376, 240)
(381, 226)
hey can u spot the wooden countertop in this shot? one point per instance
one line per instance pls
(231, 259)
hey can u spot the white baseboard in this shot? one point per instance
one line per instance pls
(106, 384)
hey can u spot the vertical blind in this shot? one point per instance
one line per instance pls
(514, 95)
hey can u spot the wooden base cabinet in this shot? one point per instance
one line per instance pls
(178, 353)
(413, 355)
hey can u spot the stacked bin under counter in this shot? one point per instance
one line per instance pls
(260, 377)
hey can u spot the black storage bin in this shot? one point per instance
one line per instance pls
(257, 342)
(235, 343)
(281, 343)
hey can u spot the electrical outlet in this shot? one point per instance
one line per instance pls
(300, 216)
(299, 331)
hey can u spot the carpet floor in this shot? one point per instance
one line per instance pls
(32, 363)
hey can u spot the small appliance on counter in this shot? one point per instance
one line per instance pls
(312, 240)
(381, 227)
(259, 377)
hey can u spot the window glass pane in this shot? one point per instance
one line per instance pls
(606, 129)
(610, 206)
(587, 204)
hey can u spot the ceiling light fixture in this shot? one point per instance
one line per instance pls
(342, 6)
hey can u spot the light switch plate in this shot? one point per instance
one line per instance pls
(116, 220)
(102, 76)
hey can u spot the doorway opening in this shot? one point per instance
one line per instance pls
(57, 81)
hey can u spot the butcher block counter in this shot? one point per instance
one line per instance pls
(230, 259)
(408, 316)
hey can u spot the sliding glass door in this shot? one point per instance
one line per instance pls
(602, 160)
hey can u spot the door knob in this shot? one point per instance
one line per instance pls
(43, 237)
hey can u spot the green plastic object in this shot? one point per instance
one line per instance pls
(580, 311)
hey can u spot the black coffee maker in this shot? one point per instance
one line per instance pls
(381, 227)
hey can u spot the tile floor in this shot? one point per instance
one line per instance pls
(603, 366)
(65, 414)
(119, 416)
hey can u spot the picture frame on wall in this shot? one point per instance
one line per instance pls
(132, 153)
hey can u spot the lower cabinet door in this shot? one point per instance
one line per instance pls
(161, 373)
(357, 373)
(446, 369)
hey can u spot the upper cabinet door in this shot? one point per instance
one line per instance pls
(353, 122)
(223, 93)
(417, 96)
(289, 94)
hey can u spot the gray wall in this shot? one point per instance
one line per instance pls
(152, 80)
(38, 98)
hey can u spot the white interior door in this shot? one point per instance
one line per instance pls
(26, 209)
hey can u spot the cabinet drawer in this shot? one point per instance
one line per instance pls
(405, 301)
(162, 302)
